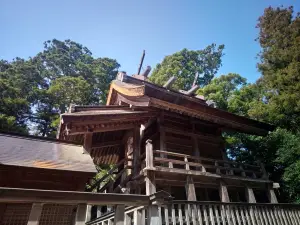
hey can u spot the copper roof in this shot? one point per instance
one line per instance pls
(28, 151)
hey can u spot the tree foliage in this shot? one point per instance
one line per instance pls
(35, 91)
(279, 38)
(185, 64)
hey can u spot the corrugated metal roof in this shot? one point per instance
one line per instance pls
(38, 153)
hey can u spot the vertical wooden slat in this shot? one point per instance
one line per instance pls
(166, 210)
(187, 214)
(232, 215)
(279, 216)
(267, 210)
(241, 208)
(237, 213)
(227, 213)
(296, 214)
(258, 216)
(276, 217)
(292, 216)
(180, 214)
(194, 214)
(247, 214)
(216, 208)
(211, 214)
(251, 212)
(267, 222)
(199, 215)
(173, 215)
(272, 214)
(205, 215)
(159, 214)
(286, 211)
(284, 217)
(223, 214)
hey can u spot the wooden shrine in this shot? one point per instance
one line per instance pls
(156, 139)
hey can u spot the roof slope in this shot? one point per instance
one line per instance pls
(33, 152)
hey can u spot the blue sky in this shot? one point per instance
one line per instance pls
(122, 29)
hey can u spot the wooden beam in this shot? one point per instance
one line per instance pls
(96, 129)
(35, 214)
(20, 195)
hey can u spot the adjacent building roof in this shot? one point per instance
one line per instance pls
(29, 151)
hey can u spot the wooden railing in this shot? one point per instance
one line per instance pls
(133, 215)
(210, 213)
(176, 162)
(217, 213)
(80, 201)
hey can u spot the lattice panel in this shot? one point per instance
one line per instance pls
(16, 214)
(57, 215)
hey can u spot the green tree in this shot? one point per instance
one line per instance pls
(66, 90)
(279, 38)
(221, 89)
(35, 91)
(185, 64)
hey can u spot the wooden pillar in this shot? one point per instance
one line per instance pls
(35, 214)
(150, 176)
(250, 195)
(224, 192)
(136, 151)
(81, 214)
(87, 144)
(150, 183)
(120, 215)
(271, 195)
(190, 189)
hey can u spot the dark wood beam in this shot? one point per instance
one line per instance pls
(20, 195)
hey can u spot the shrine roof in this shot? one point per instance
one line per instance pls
(43, 153)
(142, 93)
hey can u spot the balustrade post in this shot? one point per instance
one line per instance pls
(120, 215)
(81, 214)
(156, 200)
(271, 194)
(224, 192)
(187, 166)
(250, 195)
